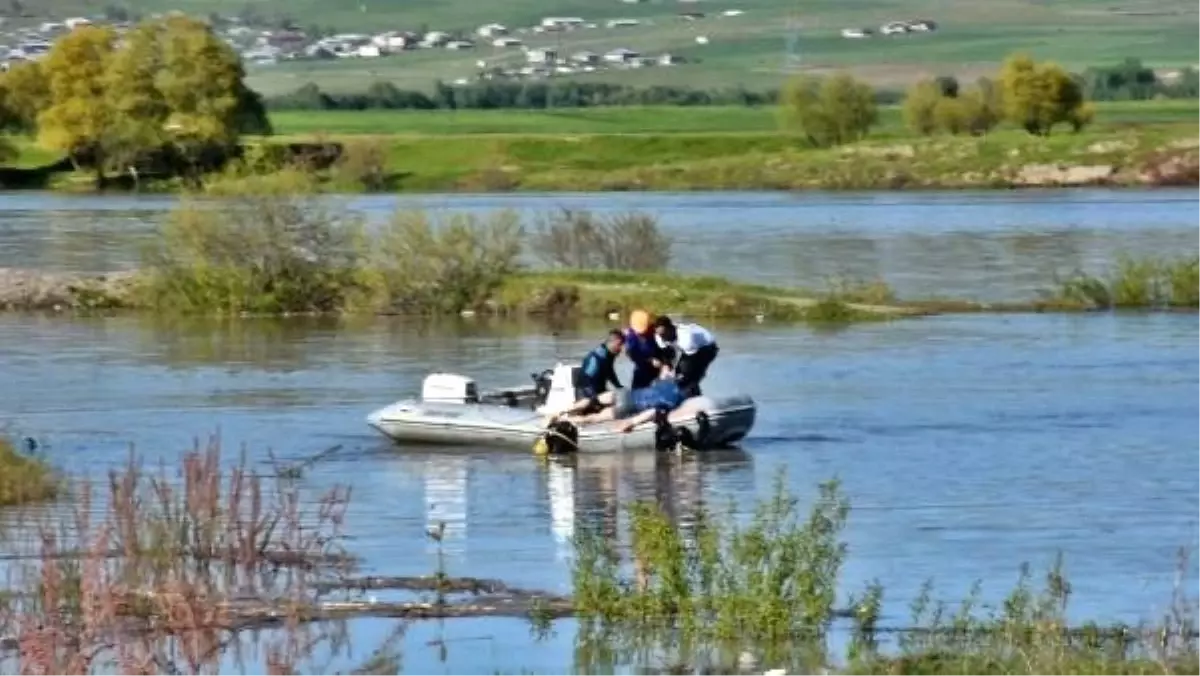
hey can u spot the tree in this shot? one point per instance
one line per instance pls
(1039, 96)
(919, 105)
(78, 117)
(831, 112)
(139, 110)
(203, 85)
(936, 105)
(25, 93)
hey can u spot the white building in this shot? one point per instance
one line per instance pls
(541, 55)
(491, 30)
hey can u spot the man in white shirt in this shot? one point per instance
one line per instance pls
(696, 348)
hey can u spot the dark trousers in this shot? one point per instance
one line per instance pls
(693, 367)
(643, 377)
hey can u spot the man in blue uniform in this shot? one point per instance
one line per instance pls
(599, 366)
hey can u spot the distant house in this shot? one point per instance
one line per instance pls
(562, 22)
(691, 16)
(620, 55)
(921, 26)
(75, 22)
(623, 23)
(702, 39)
(893, 28)
(319, 51)
(541, 55)
(394, 40)
(460, 44)
(856, 33)
(369, 51)
(669, 60)
(435, 39)
(506, 42)
(491, 30)
(585, 57)
(732, 12)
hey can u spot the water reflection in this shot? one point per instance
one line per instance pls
(587, 491)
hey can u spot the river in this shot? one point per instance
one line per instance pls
(967, 444)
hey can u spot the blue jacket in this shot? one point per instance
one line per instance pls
(599, 369)
(662, 394)
(641, 350)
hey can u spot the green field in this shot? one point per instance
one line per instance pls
(752, 49)
(639, 120)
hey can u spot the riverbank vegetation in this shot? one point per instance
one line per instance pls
(708, 593)
(277, 253)
(1135, 284)
(24, 477)
(182, 568)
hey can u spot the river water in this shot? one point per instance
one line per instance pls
(967, 444)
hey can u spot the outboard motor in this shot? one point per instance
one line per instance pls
(541, 386)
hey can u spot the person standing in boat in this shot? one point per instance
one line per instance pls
(697, 349)
(599, 366)
(648, 356)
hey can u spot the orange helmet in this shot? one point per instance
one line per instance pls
(639, 321)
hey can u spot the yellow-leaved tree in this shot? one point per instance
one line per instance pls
(201, 82)
(1039, 96)
(139, 110)
(77, 117)
(23, 93)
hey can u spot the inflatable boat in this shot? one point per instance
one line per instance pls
(453, 411)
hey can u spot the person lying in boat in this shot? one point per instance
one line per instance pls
(696, 348)
(599, 366)
(631, 406)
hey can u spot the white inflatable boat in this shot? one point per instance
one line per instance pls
(452, 411)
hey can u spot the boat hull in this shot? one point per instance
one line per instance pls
(729, 419)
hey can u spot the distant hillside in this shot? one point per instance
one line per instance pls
(768, 39)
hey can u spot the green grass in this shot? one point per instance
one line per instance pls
(641, 120)
(1136, 284)
(24, 478)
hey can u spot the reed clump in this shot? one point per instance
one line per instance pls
(1144, 284)
(712, 595)
(24, 477)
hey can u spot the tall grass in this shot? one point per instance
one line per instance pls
(24, 478)
(714, 594)
(1136, 284)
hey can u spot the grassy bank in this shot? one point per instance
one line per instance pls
(1139, 143)
(24, 478)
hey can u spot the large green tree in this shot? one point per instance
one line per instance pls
(78, 117)
(828, 112)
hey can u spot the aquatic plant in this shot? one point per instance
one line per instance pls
(709, 595)
(1135, 284)
(25, 477)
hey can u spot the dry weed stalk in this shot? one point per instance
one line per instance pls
(156, 584)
